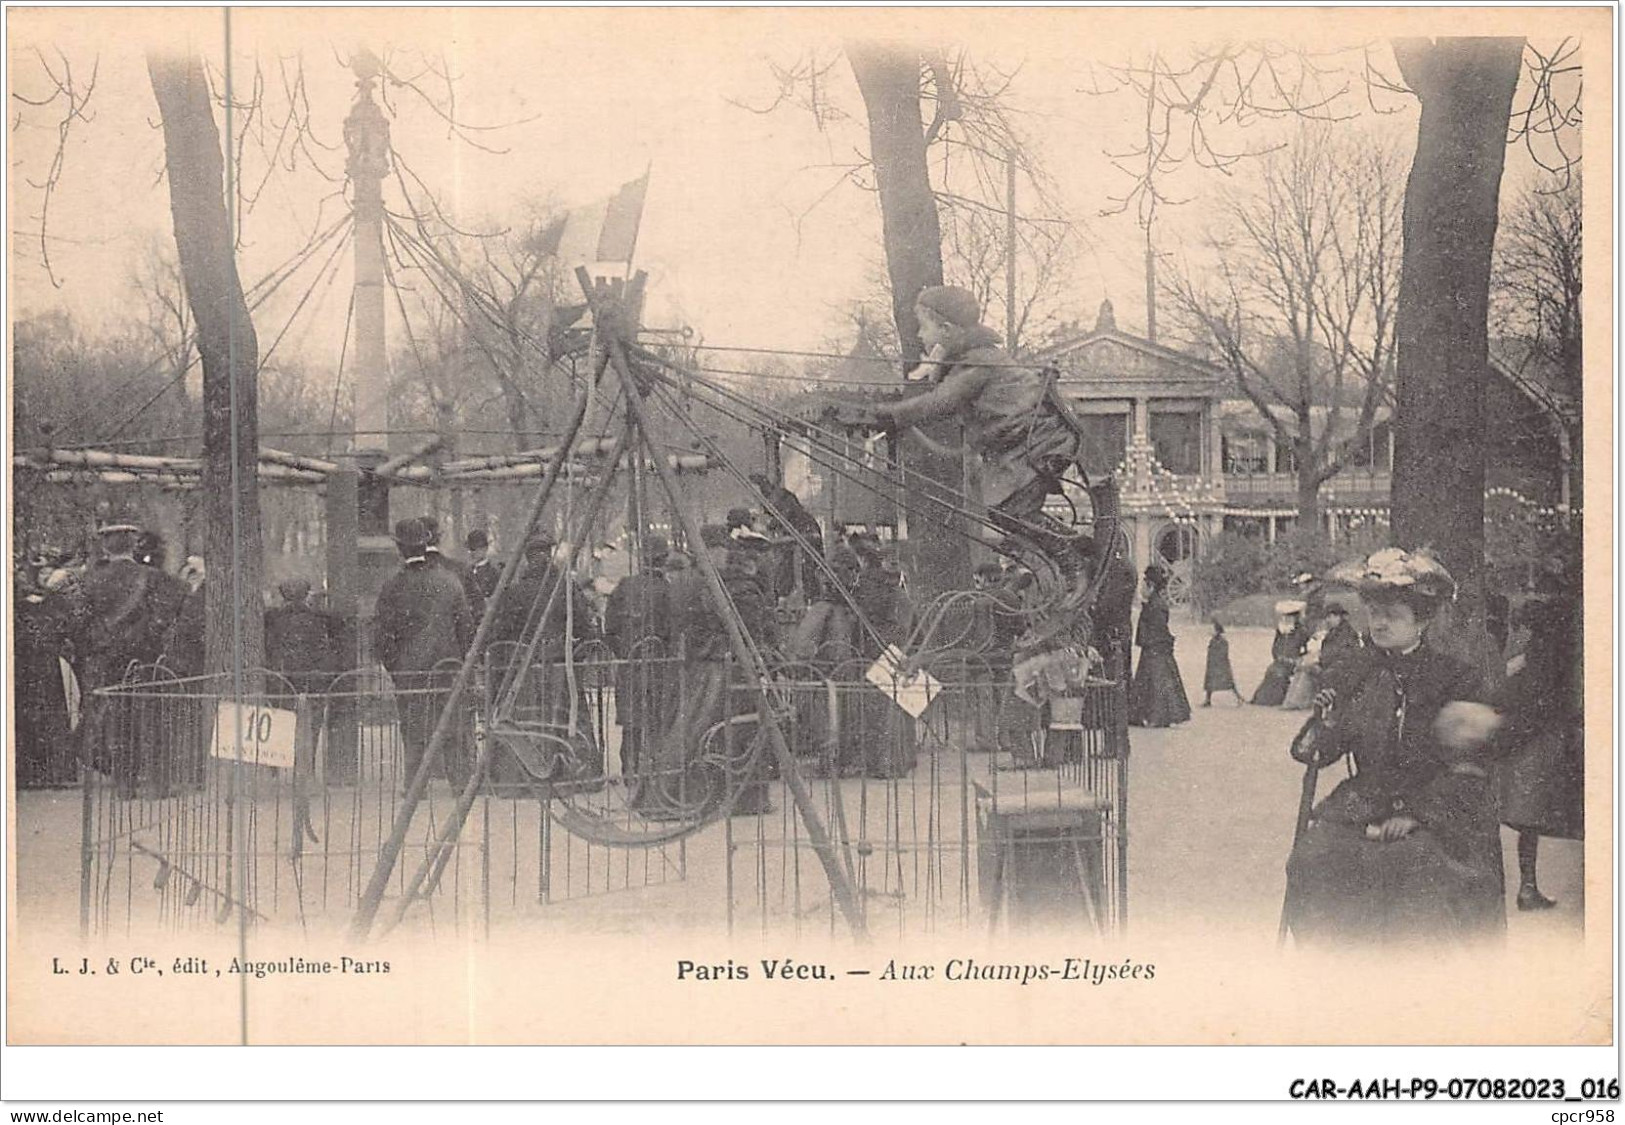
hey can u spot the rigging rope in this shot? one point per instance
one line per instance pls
(286, 270)
(252, 306)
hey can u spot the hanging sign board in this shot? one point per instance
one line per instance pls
(264, 736)
(912, 693)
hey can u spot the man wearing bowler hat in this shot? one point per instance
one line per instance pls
(421, 631)
(483, 573)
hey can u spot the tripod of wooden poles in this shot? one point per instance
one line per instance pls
(614, 320)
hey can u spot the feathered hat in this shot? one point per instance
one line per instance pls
(1394, 570)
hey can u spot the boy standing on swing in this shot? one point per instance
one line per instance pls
(1021, 430)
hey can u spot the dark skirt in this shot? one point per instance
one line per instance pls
(1272, 692)
(1345, 889)
(1443, 883)
(44, 740)
(1543, 784)
(714, 752)
(1156, 697)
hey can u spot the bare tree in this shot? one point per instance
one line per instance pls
(1299, 300)
(1197, 110)
(1537, 278)
(166, 317)
(229, 347)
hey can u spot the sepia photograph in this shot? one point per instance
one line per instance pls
(812, 526)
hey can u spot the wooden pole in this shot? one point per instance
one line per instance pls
(373, 896)
(434, 861)
(840, 887)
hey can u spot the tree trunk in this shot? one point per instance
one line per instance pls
(230, 353)
(1451, 210)
(1308, 484)
(889, 79)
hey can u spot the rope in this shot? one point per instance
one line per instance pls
(272, 279)
(663, 395)
(1014, 364)
(338, 379)
(197, 356)
(338, 248)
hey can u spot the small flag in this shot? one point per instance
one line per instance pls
(624, 214)
(603, 231)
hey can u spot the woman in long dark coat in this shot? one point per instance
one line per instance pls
(1408, 848)
(41, 626)
(1290, 643)
(1542, 783)
(1157, 696)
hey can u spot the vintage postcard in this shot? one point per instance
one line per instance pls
(797, 526)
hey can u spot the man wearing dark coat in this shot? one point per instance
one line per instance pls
(299, 639)
(527, 594)
(878, 592)
(184, 645)
(546, 692)
(639, 628)
(1542, 780)
(710, 674)
(422, 629)
(483, 574)
(880, 742)
(41, 626)
(787, 514)
(126, 612)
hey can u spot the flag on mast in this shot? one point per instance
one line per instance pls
(602, 232)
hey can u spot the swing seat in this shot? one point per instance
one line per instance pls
(547, 754)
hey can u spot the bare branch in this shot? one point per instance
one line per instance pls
(72, 101)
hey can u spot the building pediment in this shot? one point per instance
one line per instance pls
(1116, 359)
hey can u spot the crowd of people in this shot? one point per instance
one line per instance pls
(1408, 844)
(1441, 753)
(83, 624)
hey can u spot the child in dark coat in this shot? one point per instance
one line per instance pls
(1218, 676)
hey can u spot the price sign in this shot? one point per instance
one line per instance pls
(912, 693)
(263, 736)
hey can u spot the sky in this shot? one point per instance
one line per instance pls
(747, 236)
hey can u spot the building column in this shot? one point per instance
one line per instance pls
(1141, 530)
(1215, 431)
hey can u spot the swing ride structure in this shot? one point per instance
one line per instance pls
(903, 784)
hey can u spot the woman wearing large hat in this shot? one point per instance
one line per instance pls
(1409, 847)
(1290, 643)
